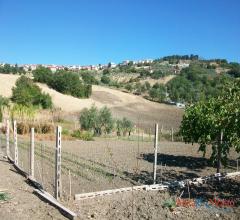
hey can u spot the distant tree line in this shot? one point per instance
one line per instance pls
(176, 58)
(7, 69)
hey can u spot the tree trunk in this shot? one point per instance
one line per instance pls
(219, 153)
(218, 157)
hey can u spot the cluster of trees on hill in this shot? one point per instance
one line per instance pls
(27, 93)
(195, 83)
(63, 81)
(234, 69)
(176, 58)
(7, 68)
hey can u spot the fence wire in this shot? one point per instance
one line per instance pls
(112, 162)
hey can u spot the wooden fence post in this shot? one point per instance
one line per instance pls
(7, 138)
(155, 154)
(58, 184)
(32, 153)
(15, 142)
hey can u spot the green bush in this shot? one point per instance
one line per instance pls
(88, 78)
(105, 79)
(29, 94)
(43, 75)
(83, 135)
(158, 92)
(70, 83)
(65, 131)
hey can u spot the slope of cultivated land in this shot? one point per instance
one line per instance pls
(141, 111)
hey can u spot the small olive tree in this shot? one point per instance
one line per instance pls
(205, 121)
(97, 120)
(125, 126)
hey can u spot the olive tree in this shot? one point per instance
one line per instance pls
(97, 120)
(205, 121)
(125, 126)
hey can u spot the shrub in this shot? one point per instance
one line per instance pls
(29, 94)
(105, 79)
(70, 83)
(46, 128)
(40, 128)
(43, 75)
(89, 79)
(65, 131)
(158, 92)
(83, 135)
(22, 128)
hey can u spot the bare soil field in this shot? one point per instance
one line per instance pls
(108, 163)
(131, 163)
(143, 112)
(22, 203)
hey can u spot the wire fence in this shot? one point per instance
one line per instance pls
(109, 162)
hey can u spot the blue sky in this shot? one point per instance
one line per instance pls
(99, 31)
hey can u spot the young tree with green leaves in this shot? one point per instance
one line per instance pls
(205, 121)
(127, 126)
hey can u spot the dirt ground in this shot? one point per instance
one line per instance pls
(106, 163)
(23, 204)
(148, 205)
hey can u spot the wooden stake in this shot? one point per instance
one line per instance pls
(70, 184)
(188, 190)
(161, 172)
(7, 139)
(15, 142)
(58, 163)
(32, 153)
(165, 172)
(155, 154)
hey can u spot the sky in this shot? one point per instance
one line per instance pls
(99, 31)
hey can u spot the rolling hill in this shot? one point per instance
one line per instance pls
(138, 109)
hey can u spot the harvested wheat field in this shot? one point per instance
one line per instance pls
(142, 112)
